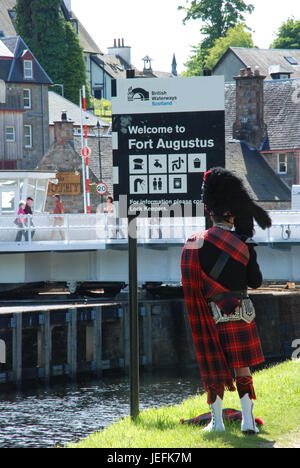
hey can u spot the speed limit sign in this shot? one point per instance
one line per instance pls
(102, 188)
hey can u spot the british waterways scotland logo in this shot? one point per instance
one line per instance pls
(138, 94)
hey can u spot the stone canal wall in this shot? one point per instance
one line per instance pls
(49, 343)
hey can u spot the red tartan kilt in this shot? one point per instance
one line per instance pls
(241, 344)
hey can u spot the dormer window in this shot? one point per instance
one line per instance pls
(28, 69)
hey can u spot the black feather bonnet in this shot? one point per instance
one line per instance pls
(223, 194)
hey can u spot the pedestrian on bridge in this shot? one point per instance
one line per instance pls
(29, 213)
(218, 266)
(20, 222)
(58, 224)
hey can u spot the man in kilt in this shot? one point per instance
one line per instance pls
(217, 268)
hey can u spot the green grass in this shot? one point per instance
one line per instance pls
(278, 403)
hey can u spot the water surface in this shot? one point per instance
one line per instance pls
(65, 413)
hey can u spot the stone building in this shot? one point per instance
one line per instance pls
(23, 76)
(63, 157)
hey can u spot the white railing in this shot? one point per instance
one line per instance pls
(93, 228)
(101, 228)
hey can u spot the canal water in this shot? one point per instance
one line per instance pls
(45, 418)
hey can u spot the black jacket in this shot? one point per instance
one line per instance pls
(235, 276)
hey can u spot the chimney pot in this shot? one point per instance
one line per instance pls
(64, 117)
(242, 72)
(249, 71)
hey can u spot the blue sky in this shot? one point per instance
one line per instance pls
(155, 27)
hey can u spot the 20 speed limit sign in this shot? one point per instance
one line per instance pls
(102, 188)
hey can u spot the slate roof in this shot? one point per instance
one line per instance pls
(57, 104)
(261, 181)
(282, 113)
(111, 64)
(264, 59)
(11, 70)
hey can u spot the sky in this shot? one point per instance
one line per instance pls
(155, 27)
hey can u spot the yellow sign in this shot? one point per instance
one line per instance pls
(68, 184)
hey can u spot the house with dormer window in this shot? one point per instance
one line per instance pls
(24, 110)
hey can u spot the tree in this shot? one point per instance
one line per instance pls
(217, 16)
(74, 71)
(42, 27)
(288, 36)
(235, 37)
(54, 43)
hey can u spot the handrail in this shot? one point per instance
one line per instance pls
(72, 228)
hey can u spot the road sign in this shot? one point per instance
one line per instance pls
(166, 134)
(102, 188)
(85, 151)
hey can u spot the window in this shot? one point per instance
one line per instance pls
(10, 134)
(282, 164)
(28, 69)
(28, 136)
(27, 98)
(291, 60)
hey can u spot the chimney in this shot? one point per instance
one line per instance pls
(249, 125)
(63, 131)
(122, 52)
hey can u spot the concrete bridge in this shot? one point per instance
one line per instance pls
(91, 249)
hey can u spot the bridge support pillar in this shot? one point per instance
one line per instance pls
(98, 341)
(72, 343)
(17, 349)
(45, 346)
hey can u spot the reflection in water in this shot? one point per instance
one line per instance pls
(56, 416)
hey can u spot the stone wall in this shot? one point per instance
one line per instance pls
(38, 118)
(249, 125)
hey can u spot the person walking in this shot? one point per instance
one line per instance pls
(20, 221)
(29, 213)
(218, 266)
(59, 209)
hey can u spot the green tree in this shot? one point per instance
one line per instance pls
(235, 37)
(217, 17)
(42, 27)
(74, 71)
(54, 43)
(288, 36)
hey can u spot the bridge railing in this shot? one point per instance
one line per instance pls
(78, 228)
(103, 228)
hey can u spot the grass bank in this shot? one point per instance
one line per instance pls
(278, 404)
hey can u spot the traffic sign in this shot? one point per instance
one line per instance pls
(85, 151)
(102, 188)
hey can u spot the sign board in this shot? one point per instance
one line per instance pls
(85, 152)
(166, 134)
(296, 198)
(102, 188)
(68, 184)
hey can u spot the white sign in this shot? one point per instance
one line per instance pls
(168, 95)
(296, 197)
